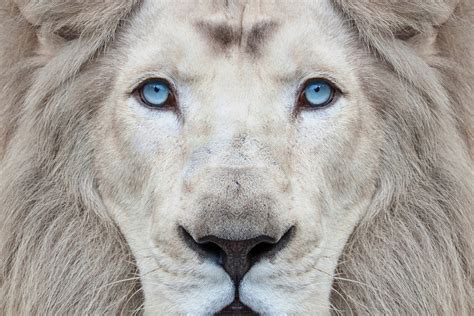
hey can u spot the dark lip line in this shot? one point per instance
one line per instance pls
(236, 308)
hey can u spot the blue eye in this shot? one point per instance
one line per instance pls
(318, 93)
(155, 93)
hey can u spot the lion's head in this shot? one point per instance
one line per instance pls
(280, 157)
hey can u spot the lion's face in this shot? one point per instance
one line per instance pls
(237, 155)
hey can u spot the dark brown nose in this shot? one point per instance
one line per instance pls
(238, 256)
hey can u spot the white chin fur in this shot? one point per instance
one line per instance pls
(267, 294)
(210, 296)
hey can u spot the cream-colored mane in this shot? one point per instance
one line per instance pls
(412, 253)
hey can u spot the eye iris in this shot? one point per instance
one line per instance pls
(318, 93)
(155, 93)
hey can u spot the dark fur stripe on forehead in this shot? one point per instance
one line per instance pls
(258, 35)
(223, 36)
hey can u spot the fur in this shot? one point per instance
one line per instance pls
(412, 253)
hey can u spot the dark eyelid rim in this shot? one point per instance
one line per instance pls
(141, 83)
(147, 76)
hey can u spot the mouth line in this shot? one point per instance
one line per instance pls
(236, 308)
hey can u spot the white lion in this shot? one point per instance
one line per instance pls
(274, 157)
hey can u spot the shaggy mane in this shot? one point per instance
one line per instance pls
(412, 253)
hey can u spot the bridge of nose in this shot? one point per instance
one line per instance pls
(234, 194)
(236, 217)
(233, 176)
(233, 99)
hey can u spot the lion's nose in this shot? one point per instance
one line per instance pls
(238, 256)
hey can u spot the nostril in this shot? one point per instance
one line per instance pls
(268, 249)
(207, 250)
(236, 256)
